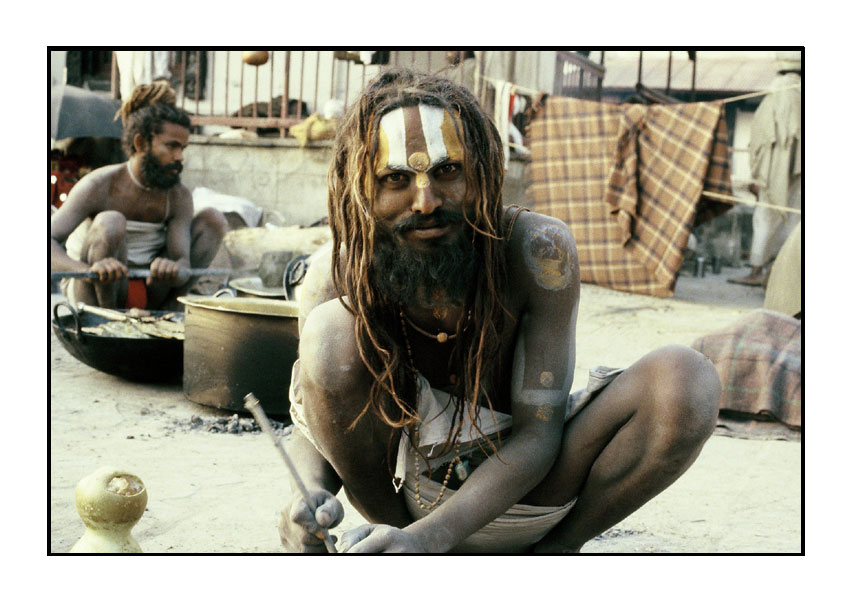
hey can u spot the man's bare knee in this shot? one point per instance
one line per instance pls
(685, 395)
(209, 227)
(211, 221)
(109, 228)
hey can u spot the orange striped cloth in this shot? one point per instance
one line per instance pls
(628, 180)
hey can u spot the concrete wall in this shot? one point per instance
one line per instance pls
(276, 174)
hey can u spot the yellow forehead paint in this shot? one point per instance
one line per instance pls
(454, 147)
(417, 138)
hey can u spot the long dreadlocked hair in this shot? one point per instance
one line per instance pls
(145, 111)
(352, 183)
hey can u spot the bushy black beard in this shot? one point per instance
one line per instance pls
(157, 175)
(441, 274)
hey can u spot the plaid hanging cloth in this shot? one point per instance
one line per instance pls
(628, 180)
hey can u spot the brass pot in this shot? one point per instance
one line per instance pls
(235, 346)
(256, 58)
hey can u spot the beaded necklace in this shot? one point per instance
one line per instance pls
(456, 459)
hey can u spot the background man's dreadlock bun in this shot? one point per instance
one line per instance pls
(145, 112)
(146, 95)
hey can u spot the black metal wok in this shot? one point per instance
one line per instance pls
(150, 360)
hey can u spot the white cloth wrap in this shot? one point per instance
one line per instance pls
(520, 526)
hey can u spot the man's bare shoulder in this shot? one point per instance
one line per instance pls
(100, 179)
(182, 191)
(328, 316)
(327, 344)
(92, 194)
(182, 205)
(318, 283)
(543, 249)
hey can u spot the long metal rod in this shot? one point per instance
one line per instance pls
(316, 88)
(145, 272)
(183, 82)
(733, 199)
(212, 83)
(226, 79)
(301, 85)
(197, 78)
(253, 405)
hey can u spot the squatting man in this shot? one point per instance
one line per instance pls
(437, 352)
(137, 214)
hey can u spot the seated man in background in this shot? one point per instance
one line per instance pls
(137, 214)
(437, 353)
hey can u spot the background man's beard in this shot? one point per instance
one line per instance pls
(156, 175)
(412, 277)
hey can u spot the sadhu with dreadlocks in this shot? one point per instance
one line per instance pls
(438, 348)
(137, 214)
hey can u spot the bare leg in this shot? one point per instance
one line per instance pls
(635, 439)
(105, 239)
(207, 232)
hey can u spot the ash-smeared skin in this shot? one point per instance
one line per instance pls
(547, 255)
(542, 392)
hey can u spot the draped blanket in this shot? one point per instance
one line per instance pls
(759, 361)
(628, 181)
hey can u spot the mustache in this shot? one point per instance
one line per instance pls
(437, 219)
(174, 166)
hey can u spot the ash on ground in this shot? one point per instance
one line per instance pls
(233, 424)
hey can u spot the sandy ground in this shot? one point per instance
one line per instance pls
(221, 492)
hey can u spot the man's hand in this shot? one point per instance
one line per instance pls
(167, 272)
(109, 270)
(376, 538)
(298, 527)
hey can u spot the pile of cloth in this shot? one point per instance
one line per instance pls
(759, 361)
(629, 180)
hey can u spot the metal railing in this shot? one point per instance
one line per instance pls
(578, 77)
(217, 88)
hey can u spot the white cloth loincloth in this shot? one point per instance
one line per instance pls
(145, 241)
(521, 526)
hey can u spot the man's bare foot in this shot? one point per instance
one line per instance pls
(756, 278)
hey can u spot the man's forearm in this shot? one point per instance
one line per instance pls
(60, 261)
(312, 467)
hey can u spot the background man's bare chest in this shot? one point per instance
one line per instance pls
(135, 204)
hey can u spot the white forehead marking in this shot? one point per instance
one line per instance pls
(432, 121)
(393, 125)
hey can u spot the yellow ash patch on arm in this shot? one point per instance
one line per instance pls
(545, 412)
(547, 256)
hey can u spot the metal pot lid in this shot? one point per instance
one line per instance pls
(277, 308)
(253, 285)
